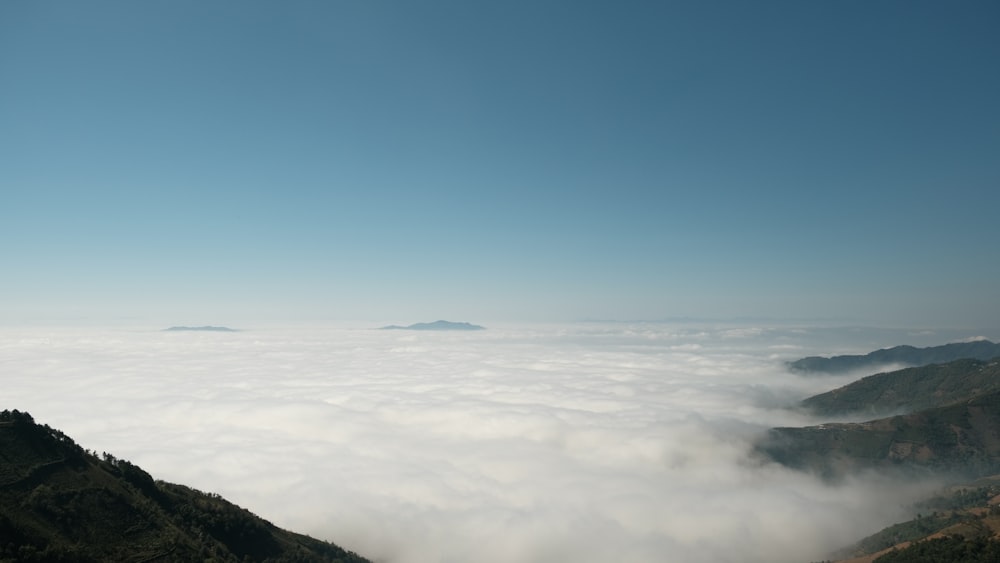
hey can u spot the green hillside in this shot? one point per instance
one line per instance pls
(909, 390)
(59, 502)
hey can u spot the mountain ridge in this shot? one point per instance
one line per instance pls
(931, 419)
(898, 355)
(60, 502)
(961, 439)
(909, 389)
(940, 420)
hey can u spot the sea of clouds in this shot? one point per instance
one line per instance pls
(585, 442)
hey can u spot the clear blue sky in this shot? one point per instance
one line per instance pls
(241, 161)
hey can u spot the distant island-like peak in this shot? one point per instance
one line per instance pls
(200, 329)
(436, 325)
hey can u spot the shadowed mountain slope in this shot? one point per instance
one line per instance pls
(59, 502)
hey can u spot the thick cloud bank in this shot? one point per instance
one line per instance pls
(582, 443)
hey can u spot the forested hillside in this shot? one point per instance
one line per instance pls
(59, 502)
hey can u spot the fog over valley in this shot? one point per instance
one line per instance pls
(578, 442)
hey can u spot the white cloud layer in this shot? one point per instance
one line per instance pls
(578, 443)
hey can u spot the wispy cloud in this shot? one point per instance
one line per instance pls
(587, 443)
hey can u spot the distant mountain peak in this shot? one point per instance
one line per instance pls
(206, 328)
(436, 325)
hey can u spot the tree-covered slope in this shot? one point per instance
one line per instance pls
(898, 355)
(954, 548)
(967, 509)
(910, 389)
(59, 502)
(969, 533)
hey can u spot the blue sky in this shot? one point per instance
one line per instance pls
(240, 162)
